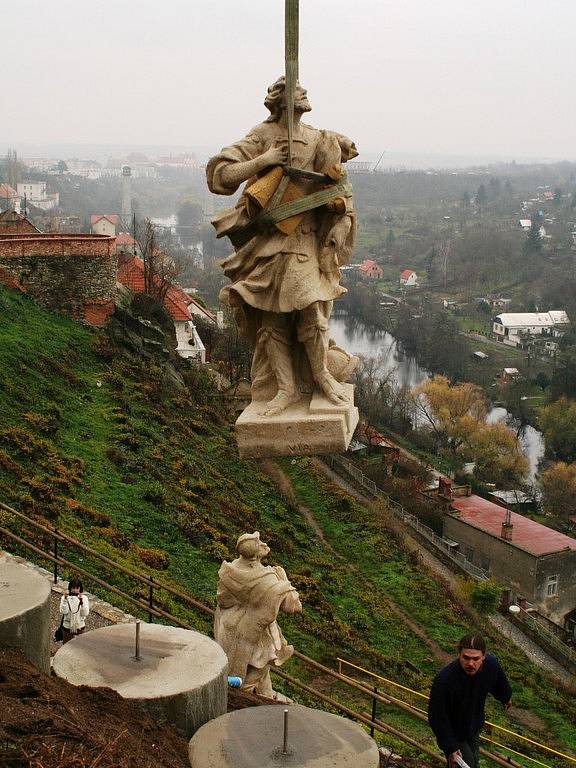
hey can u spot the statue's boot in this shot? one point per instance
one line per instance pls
(278, 350)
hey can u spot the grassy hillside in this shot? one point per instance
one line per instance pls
(106, 447)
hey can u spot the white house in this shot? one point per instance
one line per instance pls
(408, 277)
(526, 225)
(511, 327)
(36, 194)
(177, 304)
(104, 224)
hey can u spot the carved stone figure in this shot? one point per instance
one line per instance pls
(291, 230)
(249, 597)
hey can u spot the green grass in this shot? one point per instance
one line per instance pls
(101, 445)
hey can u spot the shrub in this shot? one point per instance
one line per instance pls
(485, 595)
(91, 516)
(153, 558)
(155, 493)
(117, 538)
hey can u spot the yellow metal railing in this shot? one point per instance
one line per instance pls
(533, 743)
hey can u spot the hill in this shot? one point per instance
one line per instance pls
(138, 460)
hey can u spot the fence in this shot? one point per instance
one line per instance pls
(544, 636)
(525, 619)
(152, 607)
(406, 517)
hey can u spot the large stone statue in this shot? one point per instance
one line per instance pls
(249, 597)
(291, 230)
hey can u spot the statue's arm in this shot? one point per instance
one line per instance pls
(233, 174)
(291, 603)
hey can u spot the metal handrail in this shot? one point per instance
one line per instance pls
(147, 580)
(407, 517)
(152, 610)
(424, 696)
(173, 619)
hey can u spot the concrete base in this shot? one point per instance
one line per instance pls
(254, 737)
(25, 612)
(314, 425)
(181, 676)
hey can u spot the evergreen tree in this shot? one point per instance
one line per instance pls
(533, 243)
(390, 240)
(481, 196)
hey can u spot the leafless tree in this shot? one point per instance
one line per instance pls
(159, 268)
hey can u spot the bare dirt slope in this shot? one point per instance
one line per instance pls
(48, 723)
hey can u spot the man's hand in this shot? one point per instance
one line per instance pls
(452, 758)
(508, 704)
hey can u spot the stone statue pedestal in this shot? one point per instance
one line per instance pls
(181, 675)
(254, 737)
(313, 425)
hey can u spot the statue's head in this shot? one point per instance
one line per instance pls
(275, 100)
(250, 547)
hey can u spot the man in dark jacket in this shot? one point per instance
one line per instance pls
(458, 696)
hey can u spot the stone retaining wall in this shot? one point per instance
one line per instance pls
(71, 274)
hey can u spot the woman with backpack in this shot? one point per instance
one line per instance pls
(74, 608)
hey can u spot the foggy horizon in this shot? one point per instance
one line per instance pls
(480, 85)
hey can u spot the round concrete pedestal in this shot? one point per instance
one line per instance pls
(181, 676)
(254, 737)
(25, 612)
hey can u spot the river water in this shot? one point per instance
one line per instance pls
(351, 334)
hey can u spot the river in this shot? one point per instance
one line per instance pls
(351, 334)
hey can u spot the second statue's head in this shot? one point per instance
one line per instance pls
(250, 546)
(275, 100)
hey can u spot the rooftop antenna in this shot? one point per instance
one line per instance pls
(378, 163)
(134, 234)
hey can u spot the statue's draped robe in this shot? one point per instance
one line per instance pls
(275, 272)
(248, 600)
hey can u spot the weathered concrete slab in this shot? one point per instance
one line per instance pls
(25, 612)
(254, 737)
(181, 676)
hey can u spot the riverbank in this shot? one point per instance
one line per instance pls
(405, 372)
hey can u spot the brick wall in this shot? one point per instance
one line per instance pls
(72, 274)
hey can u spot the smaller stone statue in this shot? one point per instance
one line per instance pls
(249, 597)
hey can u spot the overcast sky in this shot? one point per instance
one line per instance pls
(494, 77)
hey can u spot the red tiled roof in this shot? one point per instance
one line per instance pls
(406, 273)
(15, 223)
(124, 239)
(526, 534)
(7, 191)
(112, 218)
(368, 265)
(131, 274)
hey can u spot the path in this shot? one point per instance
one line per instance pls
(533, 651)
(285, 486)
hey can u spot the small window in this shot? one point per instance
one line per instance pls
(552, 585)
(468, 552)
(485, 563)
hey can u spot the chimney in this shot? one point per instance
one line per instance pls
(445, 488)
(507, 526)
